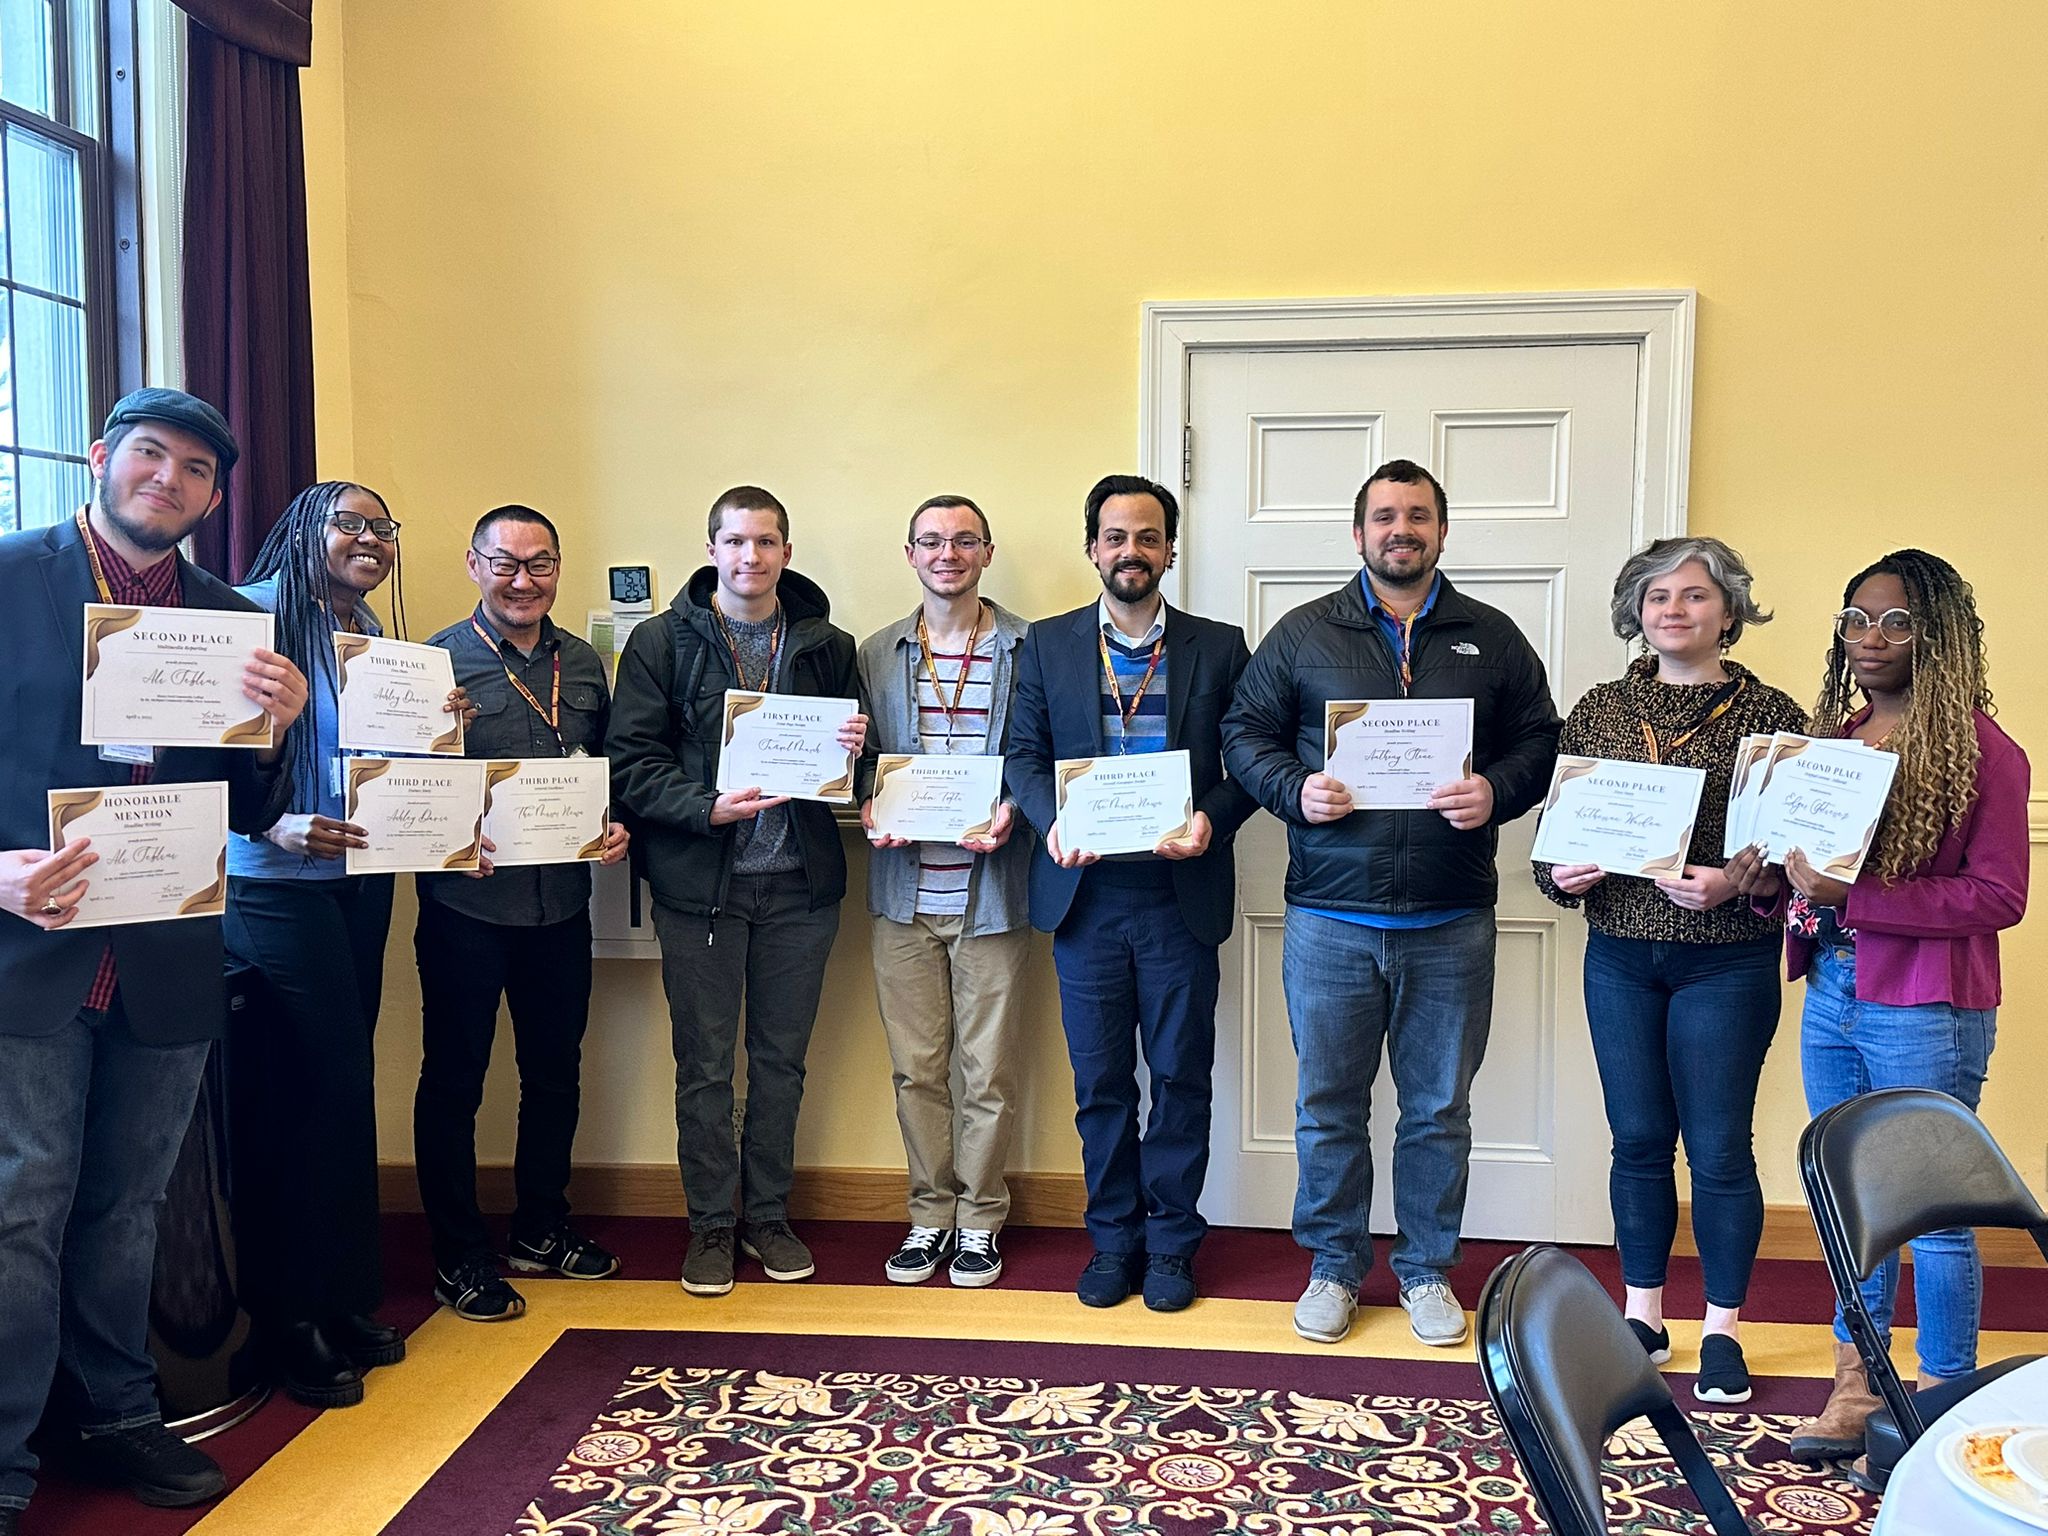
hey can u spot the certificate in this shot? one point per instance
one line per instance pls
(787, 744)
(419, 813)
(163, 850)
(936, 798)
(1123, 804)
(393, 696)
(171, 677)
(1824, 797)
(1628, 818)
(1393, 754)
(1745, 779)
(547, 810)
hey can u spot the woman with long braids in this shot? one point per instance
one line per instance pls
(1901, 967)
(305, 1110)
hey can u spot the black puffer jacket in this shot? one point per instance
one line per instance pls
(665, 732)
(1391, 862)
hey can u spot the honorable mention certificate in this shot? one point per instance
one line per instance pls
(935, 798)
(394, 696)
(787, 744)
(547, 810)
(1393, 754)
(418, 813)
(1628, 818)
(1124, 804)
(163, 850)
(171, 677)
(1824, 797)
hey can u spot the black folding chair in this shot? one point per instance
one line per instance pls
(1879, 1170)
(1563, 1373)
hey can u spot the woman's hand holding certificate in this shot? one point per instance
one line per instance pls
(416, 813)
(394, 696)
(789, 745)
(173, 677)
(1627, 818)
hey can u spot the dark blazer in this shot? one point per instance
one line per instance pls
(171, 984)
(1057, 713)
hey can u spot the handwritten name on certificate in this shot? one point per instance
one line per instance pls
(1823, 797)
(171, 677)
(1123, 804)
(1393, 754)
(393, 696)
(935, 798)
(1629, 818)
(417, 813)
(547, 810)
(786, 744)
(163, 850)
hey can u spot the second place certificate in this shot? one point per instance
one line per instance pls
(1628, 818)
(1393, 754)
(394, 696)
(547, 810)
(419, 813)
(171, 677)
(786, 744)
(1122, 804)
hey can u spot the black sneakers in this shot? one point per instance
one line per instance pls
(151, 1463)
(1169, 1282)
(978, 1261)
(1656, 1343)
(923, 1250)
(562, 1252)
(1724, 1375)
(1108, 1278)
(475, 1292)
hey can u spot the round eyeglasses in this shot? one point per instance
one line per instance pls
(353, 523)
(1894, 625)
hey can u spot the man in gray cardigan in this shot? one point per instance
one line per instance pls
(952, 926)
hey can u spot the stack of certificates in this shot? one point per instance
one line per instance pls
(1822, 795)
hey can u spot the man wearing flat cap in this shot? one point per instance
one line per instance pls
(106, 1029)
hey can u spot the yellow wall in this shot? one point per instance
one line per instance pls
(611, 264)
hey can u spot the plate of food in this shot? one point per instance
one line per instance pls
(1975, 1462)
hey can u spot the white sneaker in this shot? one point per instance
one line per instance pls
(1434, 1313)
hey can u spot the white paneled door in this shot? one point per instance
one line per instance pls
(1539, 446)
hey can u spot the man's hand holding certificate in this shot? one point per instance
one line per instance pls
(935, 797)
(172, 677)
(393, 696)
(789, 746)
(160, 850)
(1394, 754)
(547, 810)
(417, 813)
(1125, 804)
(1626, 818)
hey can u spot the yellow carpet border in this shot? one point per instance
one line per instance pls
(351, 1471)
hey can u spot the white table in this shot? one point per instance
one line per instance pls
(1920, 1498)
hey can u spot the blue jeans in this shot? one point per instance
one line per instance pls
(1132, 977)
(1427, 994)
(1680, 1032)
(90, 1125)
(1847, 1047)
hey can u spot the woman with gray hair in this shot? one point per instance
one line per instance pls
(1681, 977)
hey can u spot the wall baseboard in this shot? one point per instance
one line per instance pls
(1036, 1200)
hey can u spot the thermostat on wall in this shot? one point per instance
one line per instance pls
(632, 588)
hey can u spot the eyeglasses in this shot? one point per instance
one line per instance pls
(540, 567)
(1894, 624)
(353, 524)
(966, 543)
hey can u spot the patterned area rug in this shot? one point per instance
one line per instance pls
(818, 1435)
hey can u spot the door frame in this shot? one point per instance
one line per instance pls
(1657, 322)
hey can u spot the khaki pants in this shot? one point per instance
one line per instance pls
(943, 996)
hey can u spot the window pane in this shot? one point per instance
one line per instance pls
(25, 54)
(49, 375)
(51, 490)
(43, 214)
(6, 383)
(8, 521)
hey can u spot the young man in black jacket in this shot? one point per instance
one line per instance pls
(746, 885)
(1390, 929)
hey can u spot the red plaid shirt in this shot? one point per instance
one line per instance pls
(156, 587)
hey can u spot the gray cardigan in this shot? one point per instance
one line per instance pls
(997, 898)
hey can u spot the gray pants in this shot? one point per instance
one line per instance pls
(767, 948)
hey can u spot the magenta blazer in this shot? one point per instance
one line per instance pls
(1933, 937)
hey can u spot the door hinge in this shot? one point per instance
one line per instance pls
(1187, 456)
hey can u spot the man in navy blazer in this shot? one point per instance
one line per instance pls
(1135, 936)
(106, 1030)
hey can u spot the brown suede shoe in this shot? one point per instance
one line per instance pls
(1836, 1432)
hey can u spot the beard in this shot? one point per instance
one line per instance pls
(1393, 577)
(1131, 583)
(140, 531)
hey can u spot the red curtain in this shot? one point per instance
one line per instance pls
(248, 306)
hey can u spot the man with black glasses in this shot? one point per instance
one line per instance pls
(521, 934)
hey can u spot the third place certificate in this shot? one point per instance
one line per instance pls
(1123, 804)
(171, 677)
(163, 850)
(419, 813)
(786, 744)
(1393, 754)
(936, 797)
(547, 810)
(394, 696)
(1628, 818)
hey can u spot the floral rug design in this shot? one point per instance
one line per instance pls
(706, 1451)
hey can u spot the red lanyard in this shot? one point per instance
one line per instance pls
(553, 715)
(1126, 714)
(931, 666)
(739, 668)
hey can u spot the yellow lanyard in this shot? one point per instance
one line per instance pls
(552, 715)
(1720, 709)
(739, 668)
(92, 553)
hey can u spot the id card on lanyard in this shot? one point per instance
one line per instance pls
(135, 754)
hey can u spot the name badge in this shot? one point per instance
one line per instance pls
(128, 752)
(578, 751)
(334, 776)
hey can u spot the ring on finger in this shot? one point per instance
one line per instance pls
(51, 909)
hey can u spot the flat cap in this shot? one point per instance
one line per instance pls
(178, 409)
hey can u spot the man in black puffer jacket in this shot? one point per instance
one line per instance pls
(1390, 929)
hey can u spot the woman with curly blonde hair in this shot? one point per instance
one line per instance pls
(1901, 967)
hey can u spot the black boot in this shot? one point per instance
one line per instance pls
(312, 1368)
(366, 1341)
(151, 1463)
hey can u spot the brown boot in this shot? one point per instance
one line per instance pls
(1836, 1433)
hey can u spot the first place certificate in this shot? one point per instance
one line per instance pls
(417, 813)
(1628, 818)
(786, 744)
(1123, 804)
(1393, 754)
(163, 850)
(393, 696)
(547, 810)
(171, 677)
